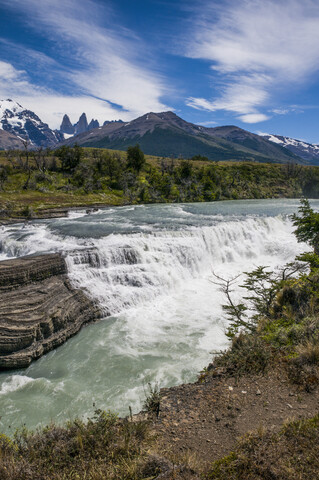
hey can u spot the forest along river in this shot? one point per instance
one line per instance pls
(150, 269)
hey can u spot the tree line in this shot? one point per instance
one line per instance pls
(165, 179)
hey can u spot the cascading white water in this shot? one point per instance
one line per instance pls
(125, 271)
(150, 269)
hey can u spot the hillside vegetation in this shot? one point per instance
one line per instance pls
(33, 182)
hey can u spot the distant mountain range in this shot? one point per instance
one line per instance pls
(162, 134)
(80, 127)
(307, 151)
(166, 134)
(24, 125)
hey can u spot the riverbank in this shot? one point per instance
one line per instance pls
(62, 212)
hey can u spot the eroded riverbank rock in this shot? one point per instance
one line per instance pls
(39, 309)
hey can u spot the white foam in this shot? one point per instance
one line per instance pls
(14, 383)
(125, 271)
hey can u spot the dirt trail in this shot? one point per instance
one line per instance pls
(203, 420)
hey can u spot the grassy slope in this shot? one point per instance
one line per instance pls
(226, 180)
(102, 448)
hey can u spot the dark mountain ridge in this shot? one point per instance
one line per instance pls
(166, 134)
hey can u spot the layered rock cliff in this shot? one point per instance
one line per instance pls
(39, 309)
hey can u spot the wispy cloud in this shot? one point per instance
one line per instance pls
(257, 48)
(12, 80)
(49, 105)
(103, 65)
(15, 83)
(207, 124)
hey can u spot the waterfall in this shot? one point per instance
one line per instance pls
(150, 269)
(123, 271)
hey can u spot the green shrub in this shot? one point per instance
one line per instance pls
(247, 354)
(152, 399)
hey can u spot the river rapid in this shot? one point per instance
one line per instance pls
(150, 268)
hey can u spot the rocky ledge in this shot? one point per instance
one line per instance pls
(39, 309)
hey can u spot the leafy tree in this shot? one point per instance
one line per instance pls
(200, 158)
(70, 157)
(185, 169)
(262, 287)
(3, 176)
(135, 158)
(111, 165)
(307, 223)
(236, 313)
(82, 174)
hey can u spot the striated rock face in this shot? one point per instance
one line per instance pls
(39, 309)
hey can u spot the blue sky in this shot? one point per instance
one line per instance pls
(252, 63)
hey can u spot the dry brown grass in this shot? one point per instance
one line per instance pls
(104, 447)
(292, 454)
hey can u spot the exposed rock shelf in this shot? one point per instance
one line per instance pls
(39, 309)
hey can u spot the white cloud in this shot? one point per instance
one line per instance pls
(8, 72)
(240, 97)
(200, 104)
(13, 80)
(281, 111)
(253, 117)
(50, 106)
(257, 47)
(105, 64)
(207, 124)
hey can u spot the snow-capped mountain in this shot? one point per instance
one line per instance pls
(26, 125)
(307, 151)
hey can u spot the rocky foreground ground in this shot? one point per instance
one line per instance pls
(200, 423)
